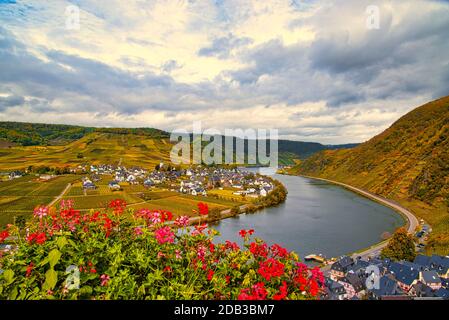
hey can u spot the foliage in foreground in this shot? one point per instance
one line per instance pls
(107, 255)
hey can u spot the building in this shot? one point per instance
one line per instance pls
(340, 268)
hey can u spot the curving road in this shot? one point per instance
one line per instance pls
(412, 221)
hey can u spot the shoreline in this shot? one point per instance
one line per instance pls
(411, 220)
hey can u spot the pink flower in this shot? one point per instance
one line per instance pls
(41, 212)
(104, 280)
(66, 204)
(156, 217)
(138, 231)
(160, 255)
(201, 252)
(182, 221)
(178, 254)
(164, 234)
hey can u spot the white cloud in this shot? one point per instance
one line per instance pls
(309, 68)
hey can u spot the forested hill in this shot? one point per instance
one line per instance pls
(408, 162)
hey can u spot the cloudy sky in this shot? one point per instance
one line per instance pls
(312, 69)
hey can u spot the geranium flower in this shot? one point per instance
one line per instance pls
(201, 252)
(29, 269)
(3, 235)
(182, 221)
(257, 292)
(41, 212)
(138, 231)
(210, 274)
(271, 268)
(203, 209)
(282, 292)
(259, 250)
(243, 233)
(38, 238)
(199, 229)
(104, 280)
(164, 234)
(278, 251)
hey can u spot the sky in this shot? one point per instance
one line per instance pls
(320, 71)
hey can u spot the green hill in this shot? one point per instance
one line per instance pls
(54, 145)
(408, 162)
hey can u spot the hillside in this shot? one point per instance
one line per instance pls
(54, 145)
(408, 162)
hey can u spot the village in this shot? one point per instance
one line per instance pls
(427, 277)
(193, 181)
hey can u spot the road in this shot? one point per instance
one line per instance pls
(412, 221)
(60, 195)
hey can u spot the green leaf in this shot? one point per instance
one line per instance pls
(61, 242)
(8, 275)
(53, 257)
(51, 278)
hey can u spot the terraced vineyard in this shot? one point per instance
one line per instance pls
(20, 196)
(95, 148)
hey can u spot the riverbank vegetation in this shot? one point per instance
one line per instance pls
(68, 254)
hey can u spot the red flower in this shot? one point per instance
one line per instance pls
(107, 225)
(279, 251)
(282, 292)
(258, 292)
(210, 274)
(38, 238)
(167, 269)
(203, 209)
(93, 270)
(29, 269)
(243, 233)
(3, 235)
(271, 268)
(118, 206)
(258, 250)
(211, 247)
(228, 279)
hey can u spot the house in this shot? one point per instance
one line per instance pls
(386, 287)
(87, 184)
(440, 265)
(422, 290)
(431, 279)
(341, 267)
(405, 276)
(46, 177)
(335, 290)
(15, 175)
(353, 285)
(131, 179)
(114, 185)
(148, 183)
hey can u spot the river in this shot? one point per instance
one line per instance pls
(317, 217)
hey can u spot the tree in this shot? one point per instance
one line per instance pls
(400, 247)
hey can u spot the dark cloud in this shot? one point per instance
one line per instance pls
(11, 101)
(221, 47)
